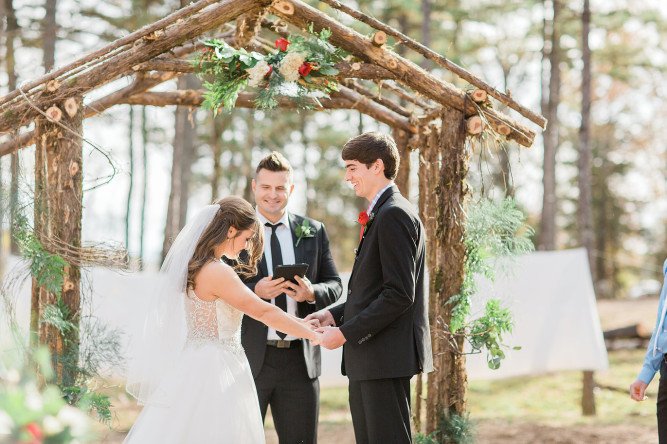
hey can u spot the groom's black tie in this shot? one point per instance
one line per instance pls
(277, 259)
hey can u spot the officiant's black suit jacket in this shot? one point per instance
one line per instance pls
(322, 273)
(385, 317)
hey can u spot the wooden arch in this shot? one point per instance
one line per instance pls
(424, 112)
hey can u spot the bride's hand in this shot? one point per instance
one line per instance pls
(313, 324)
(316, 338)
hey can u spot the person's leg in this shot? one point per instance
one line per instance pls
(265, 384)
(357, 411)
(386, 404)
(295, 400)
(662, 404)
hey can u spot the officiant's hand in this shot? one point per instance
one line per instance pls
(302, 292)
(331, 337)
(269, 288)
(324, 316)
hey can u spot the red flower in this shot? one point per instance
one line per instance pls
(363, 218)
(281, 44)
(34, 429)
(304, 69)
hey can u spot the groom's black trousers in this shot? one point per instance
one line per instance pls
(284, 384)
(381, 411)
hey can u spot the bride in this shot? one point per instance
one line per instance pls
(187, 367)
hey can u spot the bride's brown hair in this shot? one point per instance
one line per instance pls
(239, 214)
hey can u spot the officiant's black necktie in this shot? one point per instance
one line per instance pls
(277, 259)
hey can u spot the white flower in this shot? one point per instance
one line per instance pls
(13, 376)
(289, 66)
(51, 425)
(257, 73)
(78, 422)
(33, 400)
(6, 423)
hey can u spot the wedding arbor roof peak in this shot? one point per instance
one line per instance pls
(158, 52)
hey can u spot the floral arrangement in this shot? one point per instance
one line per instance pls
(301, 68)
(36, 413)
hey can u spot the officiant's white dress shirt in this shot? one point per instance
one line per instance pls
(284, 234)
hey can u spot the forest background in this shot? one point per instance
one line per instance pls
(146, 168)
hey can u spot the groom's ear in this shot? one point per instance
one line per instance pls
(378, 166)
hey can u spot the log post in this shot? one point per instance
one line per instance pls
(443, 192)
(403, 176)
(58, 210)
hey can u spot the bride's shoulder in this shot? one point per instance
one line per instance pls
(216, 269)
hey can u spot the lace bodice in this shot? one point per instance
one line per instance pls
(214, 322)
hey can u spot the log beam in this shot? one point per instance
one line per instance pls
(113, 46)
(178, 33)
(140, 84)
(503, 98)
(398, 109)
(248, 24)
(344, 99)
(406, 71)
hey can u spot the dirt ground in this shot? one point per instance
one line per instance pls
(338, 429)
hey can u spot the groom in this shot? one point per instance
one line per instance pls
(286, 368)
(384, 322)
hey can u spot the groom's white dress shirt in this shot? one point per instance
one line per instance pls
(284, 234)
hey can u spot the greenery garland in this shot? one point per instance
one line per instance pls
(302, 68)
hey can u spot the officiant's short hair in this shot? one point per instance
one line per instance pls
(369, 147)
(275, 162)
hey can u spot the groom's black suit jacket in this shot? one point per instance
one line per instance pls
(385, 318)
(328, 287)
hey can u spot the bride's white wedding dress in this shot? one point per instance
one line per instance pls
(209, 396)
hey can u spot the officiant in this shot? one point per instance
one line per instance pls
(285, 368)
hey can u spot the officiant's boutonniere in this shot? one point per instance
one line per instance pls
(303, 230)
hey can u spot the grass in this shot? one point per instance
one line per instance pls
(554, 399)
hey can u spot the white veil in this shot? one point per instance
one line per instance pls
(154, 350)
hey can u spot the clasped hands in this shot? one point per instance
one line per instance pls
(323, 323)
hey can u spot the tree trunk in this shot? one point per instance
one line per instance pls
(247, 157)
(131, 184)
(189, 141)
(403, 177)
(547, 237)
(58, 209)
(49, 35)
(179, 160)
(585, 201)
(426, 30)
(11, 33)
(144, 164)
(443, 192)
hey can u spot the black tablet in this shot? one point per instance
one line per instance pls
(289, 271)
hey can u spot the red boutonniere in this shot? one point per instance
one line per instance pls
(363, 219)
(304, 69)
(281, 44)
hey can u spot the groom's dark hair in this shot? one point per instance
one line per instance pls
(275, 162)
(369, 147)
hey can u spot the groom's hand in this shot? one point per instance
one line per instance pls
(269, 288)
(638, 390)
(324, 316)
(331, 337)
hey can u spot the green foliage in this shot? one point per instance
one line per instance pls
(452, 429)
(48, 269)
(232, 70)
(85, 350)
(493, 231)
